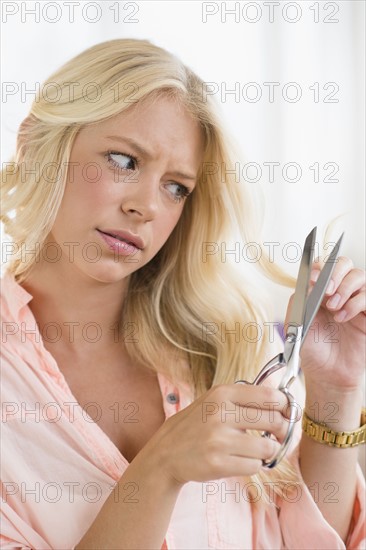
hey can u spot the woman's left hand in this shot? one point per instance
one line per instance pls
(333, 354)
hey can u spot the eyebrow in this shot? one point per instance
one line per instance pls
(144, 152)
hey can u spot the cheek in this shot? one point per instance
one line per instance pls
(165, 225)
(87, 192)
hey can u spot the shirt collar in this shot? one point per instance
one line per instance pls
(15, 295)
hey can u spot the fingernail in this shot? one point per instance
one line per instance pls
(314, 275)
(330, 287)
(340, 316)
(334, 300)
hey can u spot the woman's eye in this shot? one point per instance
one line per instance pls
(180, 192)
(122, 161)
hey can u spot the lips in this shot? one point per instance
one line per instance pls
(125, 236)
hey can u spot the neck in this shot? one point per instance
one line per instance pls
(74, 311)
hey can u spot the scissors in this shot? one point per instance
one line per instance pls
(303, 310)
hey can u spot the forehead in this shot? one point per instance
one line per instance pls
(161, 125)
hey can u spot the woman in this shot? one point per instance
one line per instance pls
(114, 360)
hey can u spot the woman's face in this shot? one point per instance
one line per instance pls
(127, 174)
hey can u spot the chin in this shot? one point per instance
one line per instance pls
(109, 270)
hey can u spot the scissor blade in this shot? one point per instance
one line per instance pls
(302, 285)
(316, 295)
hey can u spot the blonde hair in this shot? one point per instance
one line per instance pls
(172, 297)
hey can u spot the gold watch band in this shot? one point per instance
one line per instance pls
(321, 433)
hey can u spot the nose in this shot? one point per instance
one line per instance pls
(140, 198)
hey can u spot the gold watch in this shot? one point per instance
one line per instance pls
(321, 433)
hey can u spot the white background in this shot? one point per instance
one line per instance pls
(305, 43)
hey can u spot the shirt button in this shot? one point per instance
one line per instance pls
(172, 398)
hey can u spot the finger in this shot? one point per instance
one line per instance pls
(353, 307)
(236, 466)
(343, 266)
(259, 420)
(352, 283)
(249, 446)
(243, 405)
(260, 397)
(225, 464)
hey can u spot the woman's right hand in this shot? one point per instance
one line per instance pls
(205, 441)
(208, 439)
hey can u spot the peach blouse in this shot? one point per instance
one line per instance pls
(58, 466)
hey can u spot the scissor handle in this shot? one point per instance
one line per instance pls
(271, 367)
(284, 446)
(275, 364)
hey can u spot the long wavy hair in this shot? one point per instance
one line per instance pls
(183, 289)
